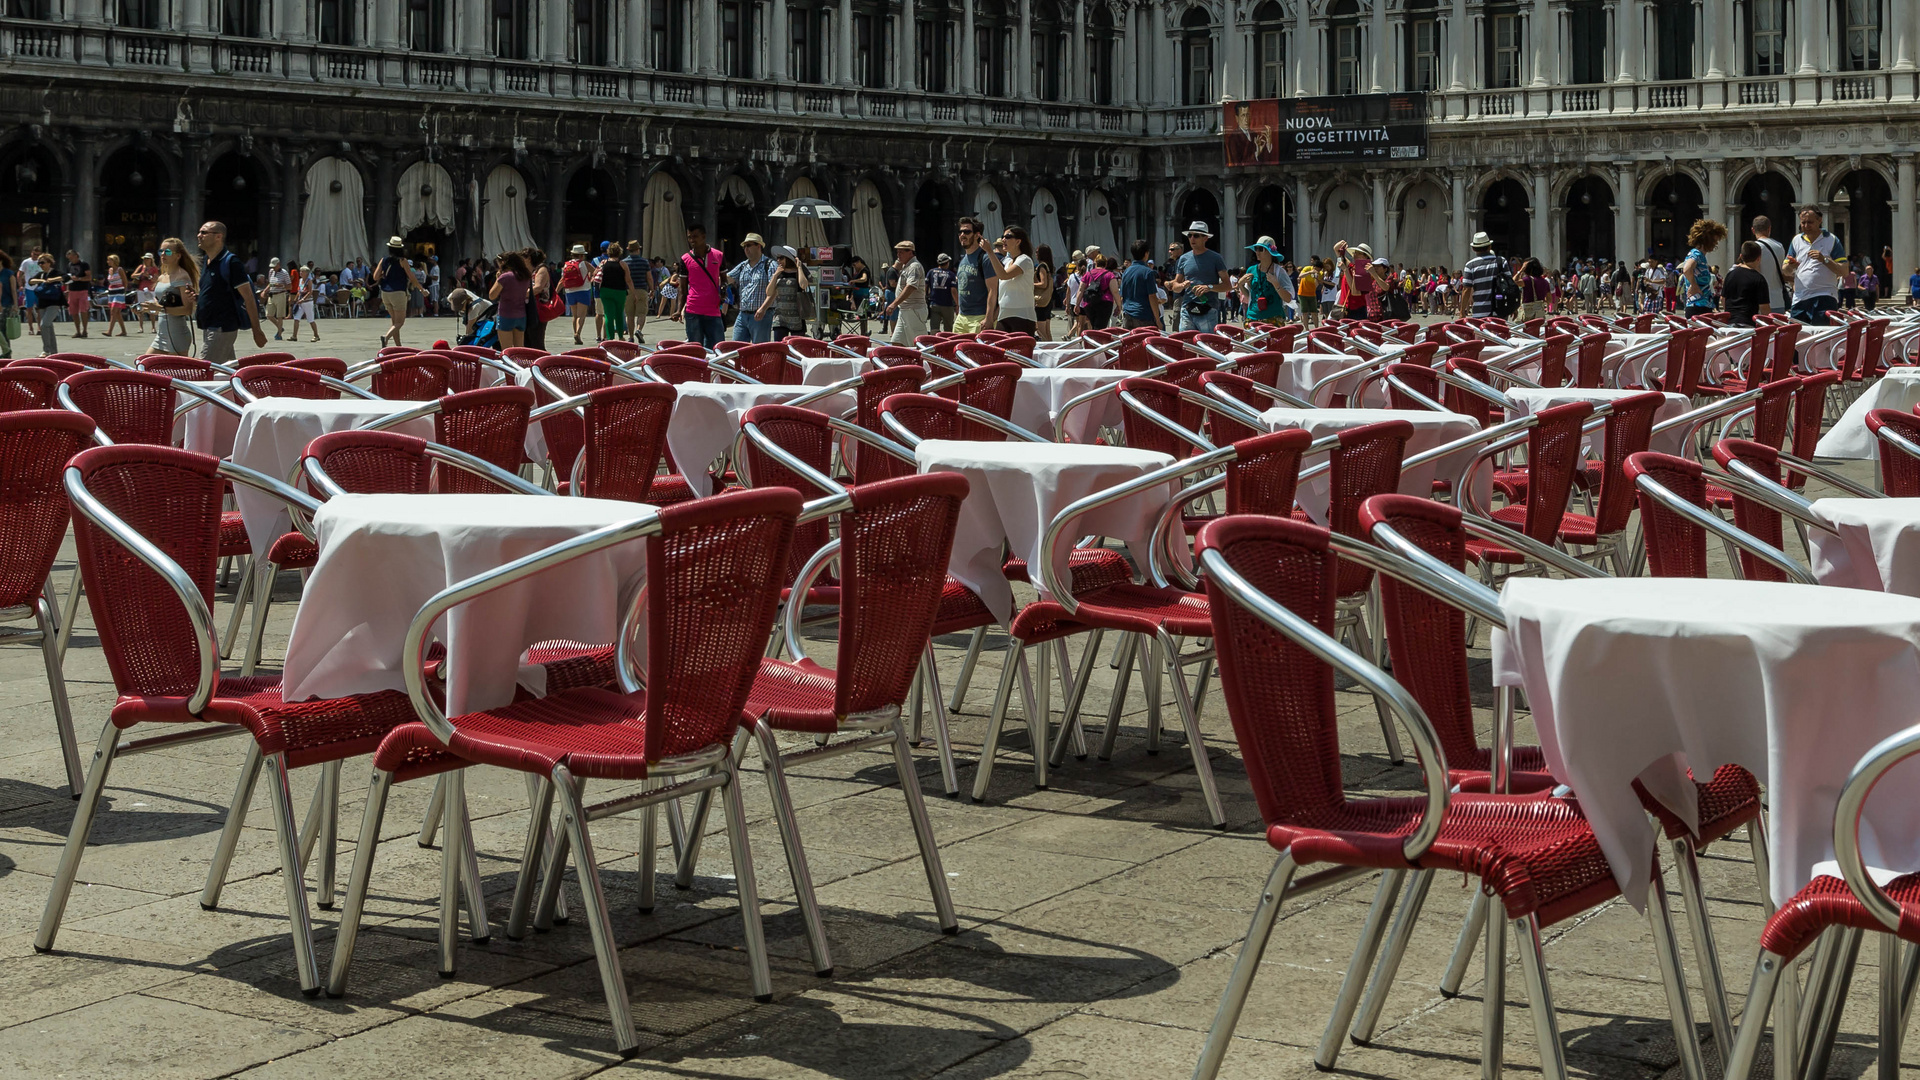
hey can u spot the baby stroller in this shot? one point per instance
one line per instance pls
(479, 325)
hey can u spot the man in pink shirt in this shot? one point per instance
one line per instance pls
(699, 273)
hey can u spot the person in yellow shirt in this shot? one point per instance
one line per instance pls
(1309, 294)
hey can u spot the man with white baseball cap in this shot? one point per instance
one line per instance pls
(1200, 278)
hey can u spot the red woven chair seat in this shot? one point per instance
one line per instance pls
(1487, 550)
(1827, 902)
(572, 665)
(1538, 855)
(669, 488)
(1728, 801)
(1136, 609)
(233, 535)
(1092, 568)
(1579, 528)
(960, 609)
(1473, 770)
(598, 733)
(794, 696)
(1509, 482)
(293, 551)
(308, 732)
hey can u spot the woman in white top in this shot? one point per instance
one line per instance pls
(1015, 272)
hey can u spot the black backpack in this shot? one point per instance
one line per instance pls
(1506, 293)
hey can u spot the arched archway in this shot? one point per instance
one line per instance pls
(870, 239)
(1198, 205)
(1346, 215)
(990, 208)
(1423, 227)
(1589, 220)
(935, 223)
(236, 196)
(588, 217)
(663, 217)
(1043, 226)
(1767, 195)
(503, 214)
(1097, 226)
(735, 217)
(1863, 220)
(1673, 207)
(130, 183)
(29, 200)
(426, 210)
(1271, 214)
(1504, 218)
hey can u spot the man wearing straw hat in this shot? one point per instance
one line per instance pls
(910, 296)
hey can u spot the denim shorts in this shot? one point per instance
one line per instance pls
(511, 325)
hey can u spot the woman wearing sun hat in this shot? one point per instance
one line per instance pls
(1265, 286)
(577, 289)
(397, 282)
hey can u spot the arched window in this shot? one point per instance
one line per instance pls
(1766, 37)
(592, 30)
(1196, 48)
(425, 25)
(1049, 50)
(1423, 45)
(1675, 34)
(934, 47)
(1860, 34)
(334, 19)
(668, 34)
(1503, 46)
(1103, 45)
(1587, 40)
(1343, 47)
(809, 43)
(1269, 49)
(508, 28)
(992, 47)
(241, 18)
(872, 56)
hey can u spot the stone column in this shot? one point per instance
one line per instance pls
(1304, 242)
(470, 27)
(84, 218)
(843, 44)
(1626, 208)
(1161, 49)
(1022, 80)
(557, 18)
(1382, 238)
(193, 188)
(196, 16)
(1458, 232)
(636, 21)
(291, 23)
(1808, 192)
(1812, 35)
(1717, 201)
(906, 61)
(1459, 51)
(1537, 203)
(1306, 64)
(383, 25)
(968, 61)
(1904, 215)
(1632, 31)
(782, 40)
(1377, 45)
(1900, 20)
(1075, 77)
(1540, 35)
(707, 38)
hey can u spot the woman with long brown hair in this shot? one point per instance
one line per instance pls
(510, 293)
(175, 289)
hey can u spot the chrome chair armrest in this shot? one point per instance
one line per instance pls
(796, 596)
(1715, 525)
(1057, 528)
(300, 505)
(780, 454)
(824, 392)
(1165, 423)
(1418, 568)
(1889, 752)
(1691, 421)
(1160, 548)
(484, 469)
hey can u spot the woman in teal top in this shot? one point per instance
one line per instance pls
(1696, 275)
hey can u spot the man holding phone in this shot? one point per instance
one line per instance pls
(1815, 259)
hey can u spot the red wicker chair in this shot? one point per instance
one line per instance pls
(876, 386)
(126, 406)
(626, 439)
(419, 377)
(282, 381)
(85, 360)
(676, 369)
(1899, 468)
(713, 569)
(176, 367)
(263, 358)
(490, 424)
(810, 348)
(768, 362)
(331, 367)
(563, 431)
(153, 611)
(989, 388)
(62, 368)
(1589, 358)
(1629, 428)
(1540, 493)
(23, 387)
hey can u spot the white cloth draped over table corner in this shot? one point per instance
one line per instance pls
(271, 436)
(1877, 546)
(1430, 429)
(1848, 439)
(1529, 400)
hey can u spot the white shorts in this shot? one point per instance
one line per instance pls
(303, 312)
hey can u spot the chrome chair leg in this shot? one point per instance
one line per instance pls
(83, 815)
(479, 925)
(302, 923)
(923, 834)
(358, 878)
(230, 832)
(1706, 952)
(451, 863)
(1493, 1001)
(613, 982)
(747, 886)
(1819, 1049)
(1679, 1006)
(983, 770)
(1196, 746)
(1403, 922)
(69, 611)
(1546, 1026)
(262, 600)
(942, 732)
(57, 688)
(552, 875)
(1234, 998)
(1124, 655)
(966, 668)
(1891, 1018)
(537, 833)
(649, 850)
(1156, 662)
(240, 597)
(1737, 1063)
(430, 821)
(783, 817)
(1358, 968)
(329, 835)
(697, 828)
(1463, 945)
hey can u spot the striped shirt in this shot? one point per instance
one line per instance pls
(1480, 271)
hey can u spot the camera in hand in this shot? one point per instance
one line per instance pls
(171, 298)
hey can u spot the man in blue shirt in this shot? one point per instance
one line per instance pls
(226, 303)
(754, 279)
(971, 278)
(940, 300)
(1200, 278)
(1140, 290)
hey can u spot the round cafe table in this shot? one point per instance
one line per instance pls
(706, 421)
(1041, 392)
(273, 434)
(382, 557)
(1016, 490)
(1644, 678)
(1430, 429)
(1848, 439)
(1529, 400)
(208, 429)
(1875, 545)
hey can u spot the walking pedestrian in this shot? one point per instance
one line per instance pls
(118, 285)
(1534, 290)
(753, 320)
(614, 288)
(396, 280)
(640, 290)
(539, 296)
(1772, 255)
(226, 303)
(909, 305)
(1044, 292)
(279, 296)
(1265, 286)
(1309, 293)
(1869, 287)
(306, 303)
(1140, 290)
(792, 296)
(433, 285)
(1696, 274)
(699, 278)
(970, 279)
(27, 273)
(1096, 292)
(941, 305)
(1015, 274)
(1200, 280)
(9, 305)
(79, 281)
(509, 294)
(1476, 294)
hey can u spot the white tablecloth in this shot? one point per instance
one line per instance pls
(1848, 438)
(1877, 548)
(1017, 488)
(1041, 392)
(382, 557)
(207, 429)
(273, 435)
(1613, 371)
(1527, 401)
(1302, 370)
(1430, 429)
(1646, 677)
(706, 420)
(827, 370)
(1048, 356)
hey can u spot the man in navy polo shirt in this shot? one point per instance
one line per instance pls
(226, 304)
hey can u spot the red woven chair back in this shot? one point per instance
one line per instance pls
(1589, 358)
(62, 368)
(1365, 464)
(35, 446)
(806, 435)
(129, 406)
(1749, 515)
(1899, 470)
(1423, 380)
(1279, 697)
(1019, 343)
(1676, 547)
(1850, 350)
(374, 462)
(989, 388)
(420, 377)
(1282, 340)
(980, 354)
(1553, 360)
(1772, 412)
(329, 366)
(1873, 343)
(172, 498)
(621, 350)
(1265, 472)
(769, 362)
(1760, 354)
(1225, 428)
(466, 372)
(1261, 367)
(176, 367)
(811, 348)
(1132, 355)
(575, 375)
(875, 387)
(714, 579)
(1628, 430)
(897, 356)
(1325, 341)
(1465, 402)
(262, 358)
(626, 438)
(524, 354)
(1809, 408)
(1142, 433)
(481, 350)
(1553, 457)
(278, 380)
(1467, 350)
(677, 369)
(490, 424)
(726, 348)
(25, 387)
(859, 343)
(931, 417)
(1218, 342)
(893, 558)
(85, 360)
